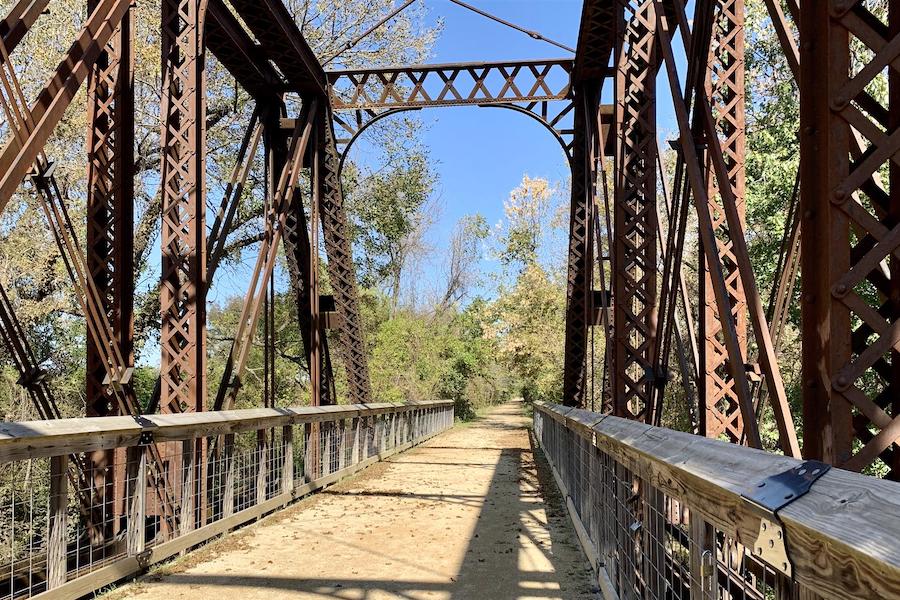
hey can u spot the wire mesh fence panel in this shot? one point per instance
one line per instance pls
(650, 543)
(65, 516)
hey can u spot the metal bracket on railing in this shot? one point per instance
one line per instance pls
(771, 495)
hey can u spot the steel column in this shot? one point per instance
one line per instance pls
(851, 237)
(635, 256)
(341, 272)
(720, 412)
(110, 242)
(183, 236)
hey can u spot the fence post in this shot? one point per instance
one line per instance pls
(704, 566)
(228, 460)
(188, 459)
(287, 467)
(56, 526)
(136, 481)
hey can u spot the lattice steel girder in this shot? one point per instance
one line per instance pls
(580, 256)
(17, 158)
(19, 20)
(635, 254)
(183, 234)
(850, 241)
(451, 84)
(596, 38)
(110, 210)
(724, 83)
(110, 246)
(341, 271)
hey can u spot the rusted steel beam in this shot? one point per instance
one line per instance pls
(635, 267)
(768, 361)
(283, 43)
(451, 84)
(183, 235)
(276, 216)
(596, 39)
(698, 185)
(850, 235)
(236, 50)
(20, 151)
(579, 309)
(110, 248)
(19, 20)
(720, 413)
(341, 271)
(110, 210)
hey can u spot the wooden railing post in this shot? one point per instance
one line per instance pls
(228, 467)
(136, 482)
(262, 475)
(704, 566)
(56, 526)
(188, 488)
(287, 468)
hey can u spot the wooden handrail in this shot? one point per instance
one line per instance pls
(843, 536)
(33, 439)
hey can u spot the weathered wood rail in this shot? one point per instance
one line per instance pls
(222, 469)
(664, 514)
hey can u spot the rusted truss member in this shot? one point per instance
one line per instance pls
(451, 85)
(596, 39)
(183, 235)
(341, 272)
(634, 256)
(110, 244)
(851, 236)
(282, 41)
(540, 89)
(720, 411)
(705, 123)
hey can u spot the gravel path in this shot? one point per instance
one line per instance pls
(467, 515)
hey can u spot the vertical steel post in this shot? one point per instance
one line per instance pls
(183, 237)
(635, 269)
(720, 411)
(110, 247)
(182, 295)
(850, 238)
(580, 257)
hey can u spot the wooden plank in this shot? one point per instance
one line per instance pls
(287, 467)
(33, 439)
(136, 482)
(843, 535)
(56, 525)
(228, 466)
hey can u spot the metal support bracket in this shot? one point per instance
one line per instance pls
(771, 495)
(146, 438)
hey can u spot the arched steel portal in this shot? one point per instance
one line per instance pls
(539, 89)
(543, 90)
(559, 134)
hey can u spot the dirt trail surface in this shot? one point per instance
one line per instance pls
(469, 514)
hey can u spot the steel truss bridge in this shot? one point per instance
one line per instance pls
(631, 212)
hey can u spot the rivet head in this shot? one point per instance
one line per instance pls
(840, 290)
(839, 196)
(841, 382)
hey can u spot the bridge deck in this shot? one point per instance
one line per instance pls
(462, 516)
